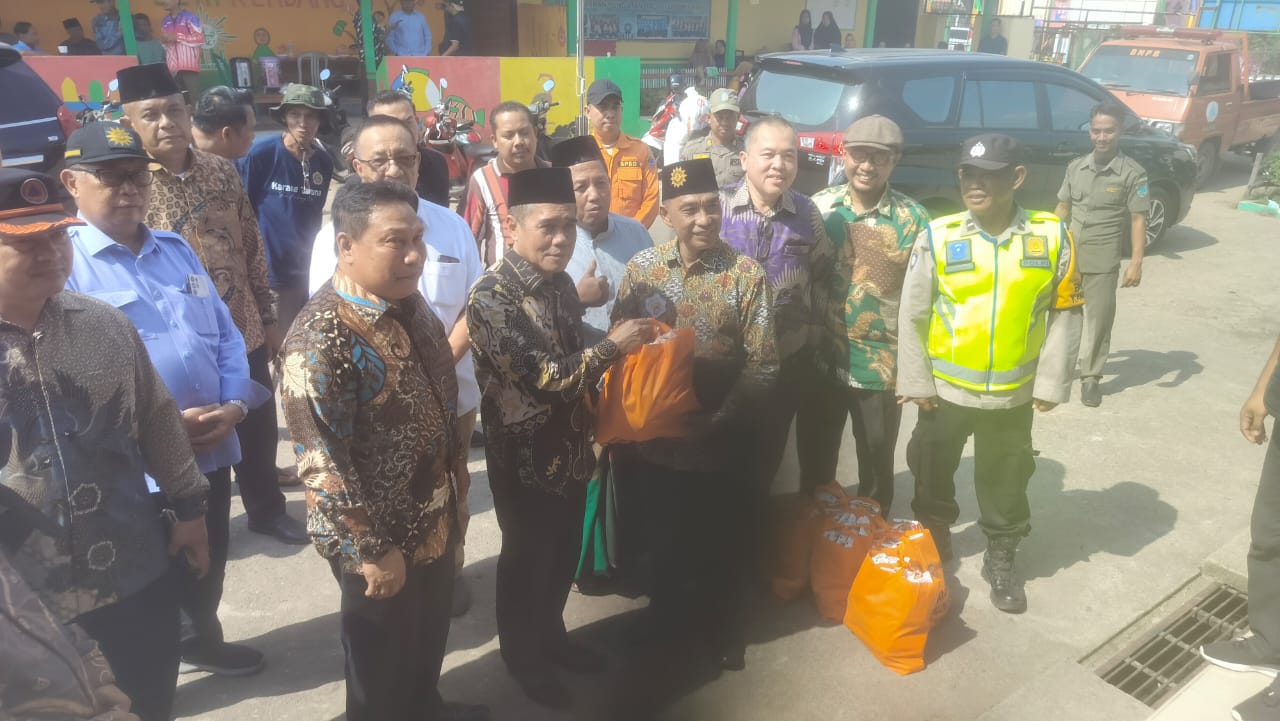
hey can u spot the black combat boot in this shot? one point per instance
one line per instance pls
(997, 569)
(942, 540)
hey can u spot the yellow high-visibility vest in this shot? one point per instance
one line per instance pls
(991, 310)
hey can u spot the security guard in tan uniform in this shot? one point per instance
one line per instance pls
(722, 144)
(988, 329)
(1105, 196)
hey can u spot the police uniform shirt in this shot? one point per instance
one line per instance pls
(1102, 200)
(726, 160)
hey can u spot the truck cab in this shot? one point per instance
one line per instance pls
(1195, 84)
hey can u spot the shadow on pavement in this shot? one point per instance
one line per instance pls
(1181, 239)
(1134, 368)
(246, 544)
(302, 656)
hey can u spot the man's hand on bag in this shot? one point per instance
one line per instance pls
(629, 335)
(929, 404)
(1252, 417)
(1043, 406)
(385, 576)
(593, 290)
(192, 538)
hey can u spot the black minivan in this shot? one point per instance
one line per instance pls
(942, 97)
(34, 123)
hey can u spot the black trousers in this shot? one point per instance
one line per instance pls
(541, 542)
(138, 636)
(876, 417)
(796, 396)
(259, 434)
(200, 597)
(694, 528)
(1003, 465)
(394, 647)
(1264, 553)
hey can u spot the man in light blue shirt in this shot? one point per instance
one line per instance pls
(156, 280)
(106, 28)
(606, 241)
(408, 33)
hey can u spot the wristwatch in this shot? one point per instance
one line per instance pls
(244, 410)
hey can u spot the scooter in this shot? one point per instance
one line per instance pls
(662, 117)
(540, 110)
(332, 138)
(459, 143)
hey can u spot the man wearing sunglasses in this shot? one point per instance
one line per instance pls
(157, 281)
(873, 228)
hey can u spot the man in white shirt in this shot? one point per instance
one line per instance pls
(386, 150)
(606, 241)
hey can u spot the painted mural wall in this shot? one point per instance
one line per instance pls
(80, 81)
(469, 88)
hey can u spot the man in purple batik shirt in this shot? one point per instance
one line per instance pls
(783, 231)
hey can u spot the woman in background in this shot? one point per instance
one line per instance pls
(827, 34)
(802, 36)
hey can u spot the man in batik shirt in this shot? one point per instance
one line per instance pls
(873, 228)
(535, 374)
(696, 490)
(370, 397)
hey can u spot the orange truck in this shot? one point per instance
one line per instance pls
(1197, 84)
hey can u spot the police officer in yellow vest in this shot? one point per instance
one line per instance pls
(988, 330)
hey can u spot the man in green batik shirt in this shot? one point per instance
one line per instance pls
(873, 228)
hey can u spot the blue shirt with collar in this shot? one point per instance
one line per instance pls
(412, 37)
(187, 329)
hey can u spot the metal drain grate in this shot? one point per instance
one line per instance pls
(1158, 664)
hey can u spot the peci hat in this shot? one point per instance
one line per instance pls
(145, 82)
(541, 185)
(102, 142)
(572, 151)
(31, 203)
(688, 177)
(874, 131)
(990, 151)
(724, 99)
(71, 23)
(602, 88)
(303, 96)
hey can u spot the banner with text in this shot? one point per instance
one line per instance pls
(655, 20)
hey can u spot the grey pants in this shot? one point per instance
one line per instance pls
(1264, 554)
(1099, 316)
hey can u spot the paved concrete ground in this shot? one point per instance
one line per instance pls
(1128, 500)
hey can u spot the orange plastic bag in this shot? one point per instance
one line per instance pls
(898, 596)
(649, 394)
(796, 521)
(844, 534)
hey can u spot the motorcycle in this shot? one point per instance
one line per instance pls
(107, 110)
(331, 139)
(540, 110)
(662, 117)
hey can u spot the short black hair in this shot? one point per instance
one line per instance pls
(222, 107)
(511, 106)
(389, 97)
(22, 28)
(355, 201)
(380, 121)
(1110, 108)
(142, 16)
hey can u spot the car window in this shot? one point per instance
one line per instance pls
(805, 102)
(1069, 108)
(930, 98)
(1217, 75)
(999, 104)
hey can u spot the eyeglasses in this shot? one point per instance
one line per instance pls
(404, 162)
(114, 177)
(862, 155)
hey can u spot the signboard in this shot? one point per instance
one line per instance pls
(654, 20)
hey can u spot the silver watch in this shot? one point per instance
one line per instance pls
(244, 410)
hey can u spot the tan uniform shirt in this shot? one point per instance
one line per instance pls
(1103, 201)
(726, 160)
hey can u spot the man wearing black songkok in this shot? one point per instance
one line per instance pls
(525, 322)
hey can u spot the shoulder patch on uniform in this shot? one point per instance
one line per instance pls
(1143, 191)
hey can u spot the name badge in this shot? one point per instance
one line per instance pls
(1035, 252)
(959, 256)
(198, 285)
